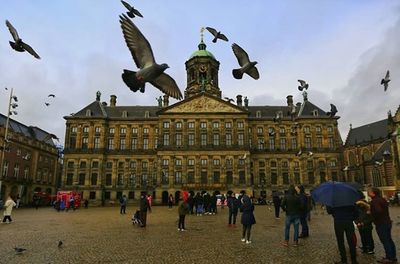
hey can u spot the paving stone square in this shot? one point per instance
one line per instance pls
(102, 235)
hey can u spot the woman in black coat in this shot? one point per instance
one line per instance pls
(247, 218)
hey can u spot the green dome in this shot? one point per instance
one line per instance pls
(202, 52)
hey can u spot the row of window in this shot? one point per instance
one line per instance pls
(41, 175)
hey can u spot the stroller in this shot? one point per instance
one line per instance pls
(136, 220)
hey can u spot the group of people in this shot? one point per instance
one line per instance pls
(364, 215)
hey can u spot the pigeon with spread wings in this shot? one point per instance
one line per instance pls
(303, 85)
(149, 70)
(216, 34)
(333, 111)
(131, 10)
(246, 65)
(386, 81)
(19, 45)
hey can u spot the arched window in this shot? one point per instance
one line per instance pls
(352, 159)
(366, 155)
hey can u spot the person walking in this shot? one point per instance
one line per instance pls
(304, 211)
(276, 200)
(233, 205)
(144, 207)
(383, 223)
(183, 210)
(364, 226)
(343, 218)
(248, 219)
(291, 204)
(191, 202)
(122, 202)
(8, 207)
(170, 201)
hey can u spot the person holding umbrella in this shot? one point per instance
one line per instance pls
(339, 199)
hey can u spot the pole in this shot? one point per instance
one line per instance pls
(5, 142)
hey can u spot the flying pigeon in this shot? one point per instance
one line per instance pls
(50, 136)
(271, 132)
(386, 81)
(19, 250)
(246, 65)
(333, 111)
(19, 45)
(47, 104)
(131, 10)
(149, 70)
(303, 85)
(378, 163)
(310, 153)
(51, 95)
(229, 99)
(298, 154)
(216, 34)
(60, 243)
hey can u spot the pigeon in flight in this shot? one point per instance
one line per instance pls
(216, 34)
(246, 65)
(19, 250)
(271, 132)
(310, 153)
(333, 111)
(229, 99)
(303, 85)
(19, 45)
(131, 10)
(50, 136)
(298, 154)
(47, 104)
(51, 95)
(149, 70)
(386, 81)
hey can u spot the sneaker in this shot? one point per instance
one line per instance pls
(296, 243)
(285, 243)
(248, 241)
(243, 240)
(183, 229)
(179, 229)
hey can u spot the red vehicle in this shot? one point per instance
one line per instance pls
(66, 196)
(44, 198)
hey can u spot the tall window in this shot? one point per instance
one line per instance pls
(215, 124)
(228, 125)
(294, 143)
(134, 143)
(178, 140)
(166, 139)
(228, 137)
(285, 177)
(307, 142)
(122, 144)
(178, 162)
(190, 162)
(96, 142)
(86, 129)
(85, 142)
(311, 179)
(93, 179)
(178, 177)
(203, 125)
(297, 178)
(26, 172)
(69, 179)
(229, 177)
(120, 179)
(97, 130)
(260, 143)
(216, 162)
(122, 130)
(259, 130)
(242, 177)
(145, 143)
(331, 143)
(191, 139)
(145, 131)
(190, 125)
(16, 170)
(108, 179)
(216, 177)
(164, 177)
(216, 139)
(110, 143)
(134, 131)
(240, 124)
(166, 125)
(165, 162)
(319, 142)
(204, 176)
(178, 125)
(203, 141)
(283, 143)
(274, 178)
(81, 180)
(240, 139)
(111, 131)
(272, 143)
(203, 162)
(190, 177)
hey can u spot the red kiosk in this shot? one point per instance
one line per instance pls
(66, 196)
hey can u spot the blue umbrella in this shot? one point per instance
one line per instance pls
(335, 194)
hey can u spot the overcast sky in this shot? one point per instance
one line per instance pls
(342, 48)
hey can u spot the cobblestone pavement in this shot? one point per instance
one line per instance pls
(102, 235)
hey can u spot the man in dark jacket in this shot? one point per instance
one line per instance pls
(277, 203)
(233, 205)
(144, 207)
(383, 224)
(304, 212)
(291, 204)
(343, 218)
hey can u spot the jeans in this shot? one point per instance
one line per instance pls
(123, 209)
(277, 209)
(366, 238)
(295, 220)
(181, 224)
(347, 228)
(385, 236)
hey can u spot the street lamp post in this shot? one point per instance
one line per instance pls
(12, 104)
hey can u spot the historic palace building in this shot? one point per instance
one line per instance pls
(200, 143)
(371, 154)
(30, 161)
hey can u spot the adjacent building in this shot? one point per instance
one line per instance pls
(202, 143)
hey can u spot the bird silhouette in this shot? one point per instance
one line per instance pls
(386, 81)
(19, 45)
(246, 65)
(149, 70)
(19, 250)
(298, 154)
(216, 34)
(303, 85)
(131, 10)
(310, 153)
(333, 111)
(51, 95)
(271, 132)
(47, 104)
(60, 243)
(50, 136)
